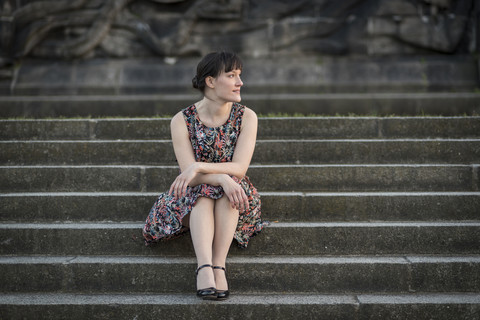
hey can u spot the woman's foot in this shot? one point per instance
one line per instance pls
(206, 282)
(221, 283)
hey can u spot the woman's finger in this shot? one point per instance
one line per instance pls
(173, 188)
(181, 192)
(184, 189)
(232, 201)
(242, 199)
(238, 202)
(177, 189)
(235, 201)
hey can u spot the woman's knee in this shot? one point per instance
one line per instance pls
(203, 206)
(223, 205)
(204, 201)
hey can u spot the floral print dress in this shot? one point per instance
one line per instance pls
(217, 144)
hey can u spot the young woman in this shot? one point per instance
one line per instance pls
(213, 140)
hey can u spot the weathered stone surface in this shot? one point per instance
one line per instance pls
(319, 239)
(133, 28)
(425, 279)
(69, 178)
(408, 104)
(268, 178)
(281, 206)
(61, 306)
(389, 207)
(434, 29)
(260, 76)
(160, 152)
(265, 306)
(269, 128)
(366, 152)
(93, 153)
(362, 178)
(45, 130)
(174, 275)
(408, 254)
(248, 275)
(109, 47)
(442, 307)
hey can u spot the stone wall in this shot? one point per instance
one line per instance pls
(67, 29)
(72, 30)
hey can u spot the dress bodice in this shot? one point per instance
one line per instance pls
(214, 144)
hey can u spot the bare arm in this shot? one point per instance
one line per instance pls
(241, 158)
(194, 173)
(243, 150)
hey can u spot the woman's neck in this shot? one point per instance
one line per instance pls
(212, 112)
(214, 109)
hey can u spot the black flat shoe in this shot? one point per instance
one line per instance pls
(207, 293)
(222, 294)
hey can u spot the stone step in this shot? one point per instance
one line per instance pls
(361, 206)
(268, 128)
(299, 238)
(273, 178)
(138, 105)
(157, 152)
(270, 74)
(333, 275)
(53, 306)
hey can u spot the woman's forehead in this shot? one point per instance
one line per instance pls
(233, 70)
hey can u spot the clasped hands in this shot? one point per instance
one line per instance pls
(235, 193)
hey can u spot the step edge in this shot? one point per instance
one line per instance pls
(362, 140)
(255, 298)
(253, 166)
(314, 225)
(278, 260)
(247, 96)
(262, 193)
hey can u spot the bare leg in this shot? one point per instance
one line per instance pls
(226, 219)
(202, 232)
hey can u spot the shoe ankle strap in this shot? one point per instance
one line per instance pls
(218, 267)
(201, 267)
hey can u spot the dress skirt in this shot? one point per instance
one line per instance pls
(165, 219)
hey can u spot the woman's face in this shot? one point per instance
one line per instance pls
(227, 86)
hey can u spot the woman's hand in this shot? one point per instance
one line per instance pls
(235, 193)
(179, 186)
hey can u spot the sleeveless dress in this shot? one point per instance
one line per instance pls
(164, 221)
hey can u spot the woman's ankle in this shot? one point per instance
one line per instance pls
(205, 278)
(220, 279)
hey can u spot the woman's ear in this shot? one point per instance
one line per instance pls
(210, 82)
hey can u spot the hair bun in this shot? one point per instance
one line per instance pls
(195, 82)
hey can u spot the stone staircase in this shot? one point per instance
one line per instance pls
(372, 218)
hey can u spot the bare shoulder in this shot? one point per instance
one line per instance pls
(178, 127)
(177, 119)
(249, 115)
(249, 121)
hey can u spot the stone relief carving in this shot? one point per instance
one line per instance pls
(434, 25)
(70, 29)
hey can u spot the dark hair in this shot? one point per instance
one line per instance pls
(213, 64)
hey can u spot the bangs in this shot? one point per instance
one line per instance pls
(231, 62)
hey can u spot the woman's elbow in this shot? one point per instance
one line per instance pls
(240, 174)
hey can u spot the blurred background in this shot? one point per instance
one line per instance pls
(305, 56)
